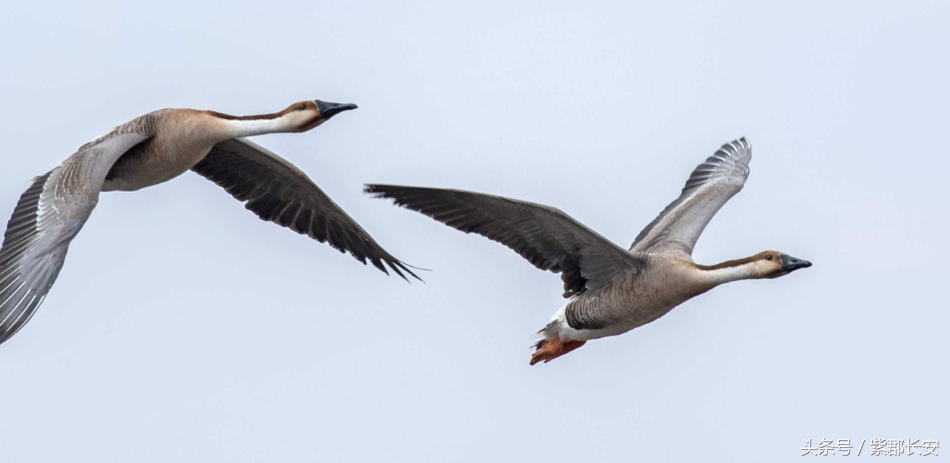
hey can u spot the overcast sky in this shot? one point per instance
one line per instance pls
(182, 328)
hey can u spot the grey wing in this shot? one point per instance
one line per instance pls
(545, 236)
(277, 191)
(709, 187)
(48, 216)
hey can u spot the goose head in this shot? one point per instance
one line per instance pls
(305, 115)
(774, 264)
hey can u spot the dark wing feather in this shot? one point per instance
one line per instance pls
(277, 191)
(545, 236)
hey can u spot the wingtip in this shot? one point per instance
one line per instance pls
(397, 266)
(369, 188)
(739, 145)
(375, 190)
(405, 267)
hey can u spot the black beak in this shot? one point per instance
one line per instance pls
(328, 110)
(790, 264)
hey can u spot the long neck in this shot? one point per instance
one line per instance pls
(235, 128)
(732, 270)
(228, 126)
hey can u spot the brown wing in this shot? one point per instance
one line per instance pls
(277, 191)
(545, 236)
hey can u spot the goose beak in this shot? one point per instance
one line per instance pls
(328, 110)
(790, 264)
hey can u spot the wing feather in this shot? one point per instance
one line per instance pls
(277, 191)
(708, 188)
(545, 236)
(48, 216)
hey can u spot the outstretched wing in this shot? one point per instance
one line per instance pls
(48, 216)
(277, 191)
(545, 236)
(711, 184)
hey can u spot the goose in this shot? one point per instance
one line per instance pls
(611, 290)
(153, 149)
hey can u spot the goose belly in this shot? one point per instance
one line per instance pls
(611, 320)
(149, 164)
(619, 308)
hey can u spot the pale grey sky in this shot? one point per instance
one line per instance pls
(182, 328)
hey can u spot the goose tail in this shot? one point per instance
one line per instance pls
(551, 346)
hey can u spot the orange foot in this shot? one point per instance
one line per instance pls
(550, 350)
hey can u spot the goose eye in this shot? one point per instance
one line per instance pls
(302, 106)
(768, 257)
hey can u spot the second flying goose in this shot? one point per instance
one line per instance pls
(155, 148)
(612, 290)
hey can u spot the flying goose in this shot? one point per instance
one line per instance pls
(158, 147)
(611, 290)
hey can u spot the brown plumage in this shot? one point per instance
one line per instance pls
(155, 148)
(611, 290)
